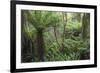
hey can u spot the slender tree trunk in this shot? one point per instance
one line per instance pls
(64, 24)
(55, 34)
(40, 45)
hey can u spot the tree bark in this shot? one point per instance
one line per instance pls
(40, 45)
(55, 34)
(85, 25)
(64, 24)
(26, 43)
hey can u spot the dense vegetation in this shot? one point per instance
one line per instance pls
(54, 36)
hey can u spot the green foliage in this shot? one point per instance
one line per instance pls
(72, 50)
(73, 26)
(29, 31)
(41, 19)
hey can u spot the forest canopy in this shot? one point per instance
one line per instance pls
(54, 36)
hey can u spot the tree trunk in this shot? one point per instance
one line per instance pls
(64, 29)
(26, 43)
(85, 25)
(55, 34)
(40, 45)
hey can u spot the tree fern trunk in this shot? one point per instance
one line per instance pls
(40, 45)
